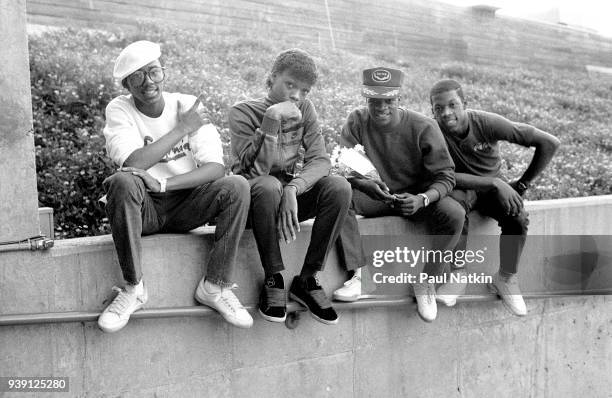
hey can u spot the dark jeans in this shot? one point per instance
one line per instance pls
(513, 228)
(134, 212)
(443, 220)
(327, 201)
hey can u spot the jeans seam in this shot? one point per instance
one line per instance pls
(223, 242)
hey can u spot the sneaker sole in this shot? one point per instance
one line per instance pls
(447, 303)
(425, 319)
(272, 318)
(325, 321)
(229, 320)
(493, 289)
(116, 329)
(348, 299)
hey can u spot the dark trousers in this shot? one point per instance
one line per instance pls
(443, 220)
(513, 228)
(134, 212)
(327, 201)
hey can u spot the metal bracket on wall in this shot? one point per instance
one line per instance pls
(39, 242)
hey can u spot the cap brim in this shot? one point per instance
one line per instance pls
(380, 92)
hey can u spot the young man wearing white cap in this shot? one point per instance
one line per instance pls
(473, 140)
(161, 188)
(416, 172)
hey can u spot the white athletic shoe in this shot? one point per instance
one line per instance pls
(447, 294)
(117, 314)
(508, 289)
(425, 294)
(350, 291)
(225, 302)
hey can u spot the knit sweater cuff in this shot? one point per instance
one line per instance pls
(270, 126)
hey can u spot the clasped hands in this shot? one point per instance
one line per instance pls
(404, 203)
(286, 112)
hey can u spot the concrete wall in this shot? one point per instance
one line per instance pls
(563, 348)
(400, 29)
(18, 196)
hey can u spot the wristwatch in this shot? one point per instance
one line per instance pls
(522, 186)
(425, 199)
(162, 184)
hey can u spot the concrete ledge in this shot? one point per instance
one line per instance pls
(470, 349)
(79, 273)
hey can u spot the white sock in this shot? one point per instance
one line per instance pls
(135, 289)
(358, 273)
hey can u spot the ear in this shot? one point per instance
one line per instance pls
(270, 79)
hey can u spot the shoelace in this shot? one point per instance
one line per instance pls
(430, 294)
(510, 287)
(120, 303)
(275, 297)
(230, 300)
(511, 281)
(352, 281)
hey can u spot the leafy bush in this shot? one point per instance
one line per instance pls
(69, 95)
(72, 83)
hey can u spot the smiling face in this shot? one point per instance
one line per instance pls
(285, 87)
(384, 111)
(147, 94)
(449, 111)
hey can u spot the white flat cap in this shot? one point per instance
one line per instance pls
(134, 57)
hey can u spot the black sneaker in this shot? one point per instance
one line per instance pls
(273, 299)
(310, 294)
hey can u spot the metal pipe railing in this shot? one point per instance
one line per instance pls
(39, 242)
(167, 312)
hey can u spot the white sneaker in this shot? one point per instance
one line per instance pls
(225, 302)
(117, 314)
(425, 294)
(447, 294)
(350, 291)
(508, 289)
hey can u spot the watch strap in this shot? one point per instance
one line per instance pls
(425, 199)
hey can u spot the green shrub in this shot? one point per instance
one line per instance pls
(72, 83)
(69, 95)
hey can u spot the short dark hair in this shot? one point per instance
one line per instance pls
(299, 64)
(445, 85)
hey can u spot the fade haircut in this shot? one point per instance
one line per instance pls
(299, 64)
(445, 85)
